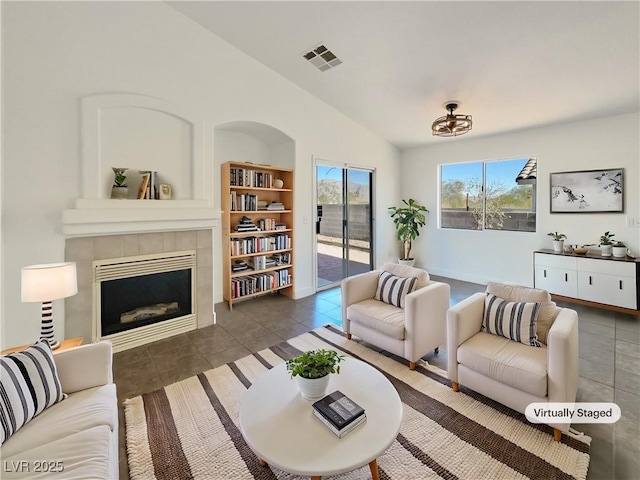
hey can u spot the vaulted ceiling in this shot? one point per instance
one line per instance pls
(512, 65)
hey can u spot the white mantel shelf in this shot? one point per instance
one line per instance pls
(106, 216)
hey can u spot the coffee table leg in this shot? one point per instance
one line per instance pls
(262, 462)
(373, 466)
(316, 477)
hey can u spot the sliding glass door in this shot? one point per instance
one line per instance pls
(343, 223)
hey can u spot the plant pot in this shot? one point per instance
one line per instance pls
(409, 262)
(605, 250)
(312, 388)
(119, 193)
(619, 252)
(558, 246)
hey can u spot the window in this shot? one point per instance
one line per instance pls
(498, 195)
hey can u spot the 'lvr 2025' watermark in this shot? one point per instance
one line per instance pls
(33, 466)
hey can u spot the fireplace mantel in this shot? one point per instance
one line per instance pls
(105, 216)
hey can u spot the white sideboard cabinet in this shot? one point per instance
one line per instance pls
(592, 278)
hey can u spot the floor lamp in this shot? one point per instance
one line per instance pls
(45, 283)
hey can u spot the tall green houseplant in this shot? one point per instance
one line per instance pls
(408, 219)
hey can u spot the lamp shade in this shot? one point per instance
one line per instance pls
(44, 283)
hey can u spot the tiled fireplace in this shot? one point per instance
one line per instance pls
(148, 262)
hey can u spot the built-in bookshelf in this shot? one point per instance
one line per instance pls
(257, 230)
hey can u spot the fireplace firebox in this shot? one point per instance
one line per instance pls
(145, 298)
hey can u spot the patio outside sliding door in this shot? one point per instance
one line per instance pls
(343, 223)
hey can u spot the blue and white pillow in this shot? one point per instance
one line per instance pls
(392, 289)
(514, 320)
(29, 384)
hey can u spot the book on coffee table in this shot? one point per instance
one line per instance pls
(340, 433)
(339, 410)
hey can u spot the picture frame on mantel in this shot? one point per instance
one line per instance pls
(587, 191)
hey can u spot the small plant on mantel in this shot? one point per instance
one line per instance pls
(315, 364)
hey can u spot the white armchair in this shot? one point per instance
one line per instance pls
(409, 332)
(507, 371)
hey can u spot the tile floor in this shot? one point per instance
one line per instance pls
(609, 362)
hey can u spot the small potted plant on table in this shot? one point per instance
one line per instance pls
(558, 241)
(408, 221)
(312, 369)
(606, 243)
(619, 250)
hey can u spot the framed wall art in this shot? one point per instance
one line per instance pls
(588, 191)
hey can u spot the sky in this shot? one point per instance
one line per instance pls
(504, 171)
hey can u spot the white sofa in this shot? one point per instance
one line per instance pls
(410, 332)
(76, 438)
(510, 372)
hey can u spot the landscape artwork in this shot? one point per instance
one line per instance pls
(590, 191)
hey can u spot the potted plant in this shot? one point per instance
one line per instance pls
(619, 249)
(312, 369)
(606, 243)
(408, 220)
(558, 241)
(119, 190)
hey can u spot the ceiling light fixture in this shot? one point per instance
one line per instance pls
(451, 125)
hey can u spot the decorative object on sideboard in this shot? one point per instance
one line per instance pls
(451, 125)
(408, 221)
(119, 190)
(558, 241)
(568, 249)
(619, 250)
(278, 183)
(45, 283)
(581, 250)
(312, 369)
(606, 243)
(589, 191)
(164, 191)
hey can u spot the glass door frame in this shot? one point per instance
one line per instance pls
(320, 162)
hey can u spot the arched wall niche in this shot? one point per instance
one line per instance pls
(143, 133)
(139, 132)
(255, 142)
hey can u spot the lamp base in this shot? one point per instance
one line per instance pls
(46, 329)
(52, 343)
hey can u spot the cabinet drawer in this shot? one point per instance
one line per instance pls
(608, 267)
(557, 261)
(556, 280)
(609, 289)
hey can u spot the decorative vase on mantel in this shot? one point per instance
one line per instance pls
(119, 191)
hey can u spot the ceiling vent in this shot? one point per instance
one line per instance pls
(322, 58)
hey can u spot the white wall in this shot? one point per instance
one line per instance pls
(54, 53)
(482, 256)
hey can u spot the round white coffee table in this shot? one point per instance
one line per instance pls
(279, 425)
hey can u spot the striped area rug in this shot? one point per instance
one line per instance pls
(189, 430)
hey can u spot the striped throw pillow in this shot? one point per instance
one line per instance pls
(393, 289)
(513, 320)
(29, 383)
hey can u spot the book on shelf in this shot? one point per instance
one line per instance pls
(339, 410)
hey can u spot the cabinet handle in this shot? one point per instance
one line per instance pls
(566, 277)
(590, 280)
(620, 283)
(545, 273)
